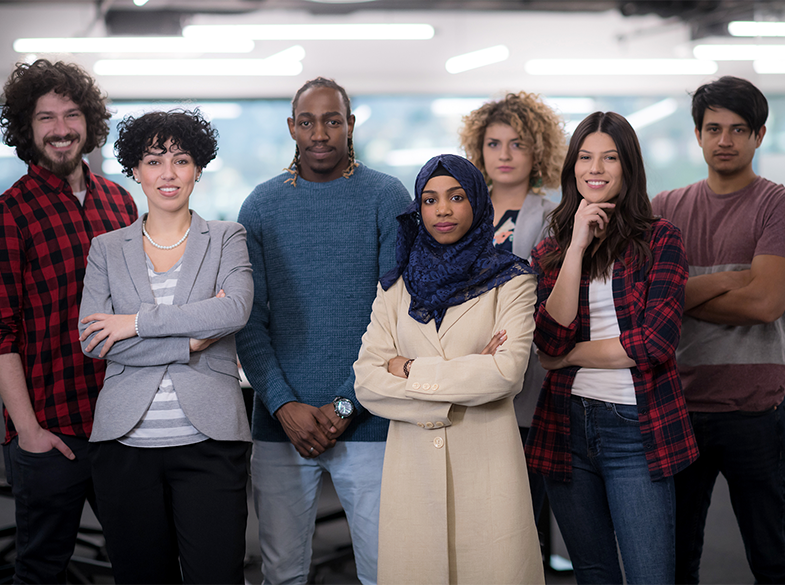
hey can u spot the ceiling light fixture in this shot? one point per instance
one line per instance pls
(475, 59)
(285, 63)
(312, 32)
(751, 28)
(594, 67)
(739, 52)
(132, 45)
(653, 113)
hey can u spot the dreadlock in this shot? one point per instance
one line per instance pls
(294, 167)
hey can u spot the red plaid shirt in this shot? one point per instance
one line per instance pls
(649, 309)
(44, 238)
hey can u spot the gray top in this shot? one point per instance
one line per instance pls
(208, 385)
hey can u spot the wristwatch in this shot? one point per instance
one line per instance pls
(344, 407)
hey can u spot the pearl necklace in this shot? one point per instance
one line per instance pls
(159, 246)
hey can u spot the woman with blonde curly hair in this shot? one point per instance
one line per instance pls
(519, 145)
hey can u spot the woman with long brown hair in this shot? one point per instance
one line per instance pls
(611, 426)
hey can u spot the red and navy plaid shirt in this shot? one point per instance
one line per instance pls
(649, 307)
(45, 235)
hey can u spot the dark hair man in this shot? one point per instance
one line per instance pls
(53, 114)
(732, 351)
(319, 237)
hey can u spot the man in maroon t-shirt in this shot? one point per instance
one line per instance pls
(53, 114)
(732, 351)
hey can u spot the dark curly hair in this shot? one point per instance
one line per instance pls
(28, 82)
(632, 218)
(188, 131)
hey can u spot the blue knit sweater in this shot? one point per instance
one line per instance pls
(317, 250)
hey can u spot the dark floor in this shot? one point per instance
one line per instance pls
(723, 556)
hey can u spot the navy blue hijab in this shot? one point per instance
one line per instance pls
(439, 276)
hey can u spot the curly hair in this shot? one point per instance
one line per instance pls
(29, 82)
(532, 120)
(294, 167)
(632, 217)
(188, 131)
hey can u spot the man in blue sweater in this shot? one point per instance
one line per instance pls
(319, 236)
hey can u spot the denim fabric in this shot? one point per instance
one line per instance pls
(612, 498)
(748, 448)
(286, 493)
(49, 492)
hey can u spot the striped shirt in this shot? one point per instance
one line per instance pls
(164, 424)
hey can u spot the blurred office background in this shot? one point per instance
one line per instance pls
(412, 68)
(241, 61)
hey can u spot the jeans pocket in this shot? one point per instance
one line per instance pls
(626, 412)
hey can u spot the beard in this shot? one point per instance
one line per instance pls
(62, 166)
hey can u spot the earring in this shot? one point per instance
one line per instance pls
(535, 182)
(199, 176)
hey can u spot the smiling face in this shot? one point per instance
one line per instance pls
(445, 209)
(167, 177)
(598, 170)
(59, 133)
(507, 157)
(322, 131)
(728, 142)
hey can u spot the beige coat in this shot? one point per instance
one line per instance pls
(456, 506)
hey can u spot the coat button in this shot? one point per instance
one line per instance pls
(438, 424)
(438, 442)
(429, 425)
(422, 426)
(426, 386)
(416, 386)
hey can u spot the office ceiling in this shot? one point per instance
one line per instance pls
(531, 29)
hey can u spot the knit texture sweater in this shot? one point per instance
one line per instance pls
(317, 251)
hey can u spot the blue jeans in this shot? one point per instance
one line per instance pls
(749, 450)
(612, 498)
(286, 493)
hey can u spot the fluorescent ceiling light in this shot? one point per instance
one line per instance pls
(595, 67)
(211, 110)
(475, 59)
(739, 52)
(287, 62)
(769, 66)
(653, 113)
(751, 28)
(133, 45)
(312, 32)
(140, 2)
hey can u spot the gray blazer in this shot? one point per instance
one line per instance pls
(530, 229)
(207, 382)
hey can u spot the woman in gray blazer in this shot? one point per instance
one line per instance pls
(162, 301)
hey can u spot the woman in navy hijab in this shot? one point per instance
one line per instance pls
(443, 356)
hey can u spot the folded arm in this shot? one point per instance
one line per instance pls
(758, 296)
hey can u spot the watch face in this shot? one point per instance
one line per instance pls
(344, 408)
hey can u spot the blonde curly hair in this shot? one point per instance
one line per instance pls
(533, 121)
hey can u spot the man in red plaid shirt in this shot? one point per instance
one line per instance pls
(53, 115)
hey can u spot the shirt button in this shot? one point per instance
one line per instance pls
(426, 386)
(438, 442)
(434, 387)
(422, 426)
(416, 386)
(438, 424)
(429, 425)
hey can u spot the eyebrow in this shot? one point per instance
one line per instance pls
(603, 152)
(451, 189)
(50, 113)
(325, 115)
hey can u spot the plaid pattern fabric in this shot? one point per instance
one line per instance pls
(45, 236)
(649, 309)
